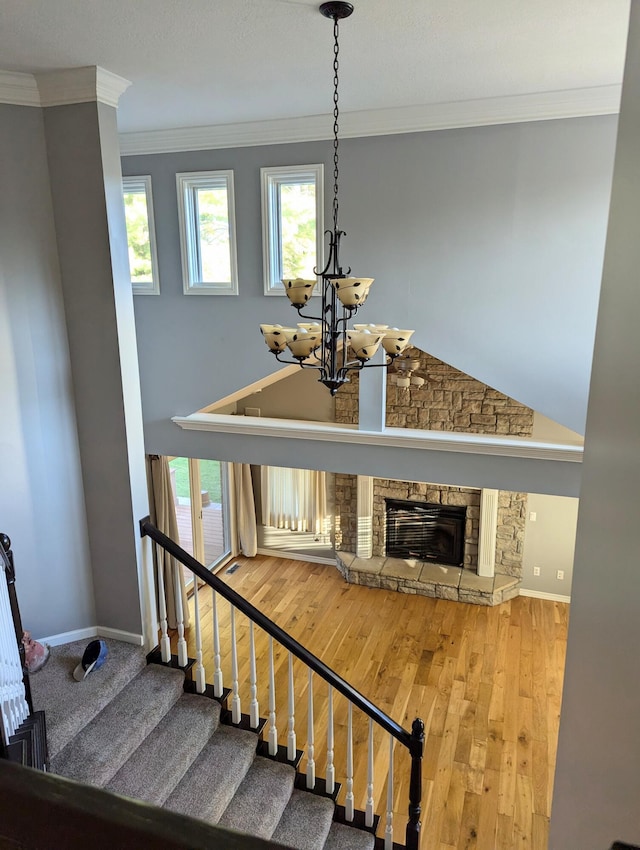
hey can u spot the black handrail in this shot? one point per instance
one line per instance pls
(260, 619)
(413, 741)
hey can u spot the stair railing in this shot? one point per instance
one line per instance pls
(15, 692)
(412, 741)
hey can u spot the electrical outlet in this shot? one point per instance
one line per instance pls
(536, 571)
(560, 575)
(533, 516)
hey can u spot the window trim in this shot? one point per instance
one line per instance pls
(132, 183)
(187, 182)
(270, 179)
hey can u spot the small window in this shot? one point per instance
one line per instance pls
(141, 237)
(207, 233)
(292, 224)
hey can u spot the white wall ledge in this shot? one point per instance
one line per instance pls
(479, 444)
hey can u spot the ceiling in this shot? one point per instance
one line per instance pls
(211, 62)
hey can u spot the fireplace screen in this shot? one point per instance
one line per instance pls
(425, 531)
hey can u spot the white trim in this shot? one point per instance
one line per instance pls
(142, 183)
(512, 109)
(58, 88)
(69, 637)
(394, 437)
(118, 634)
(541, 594)
(364, 511)
(19, 89)
(92, 632)
(488, 527)
(270, 179)
(187, 182)
(294, 556)
(80, 85)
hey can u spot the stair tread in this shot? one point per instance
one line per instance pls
(152, 772)
(343, 837)
(305, 822)
(70, 705)
(208, 786)
(103, 745)
(261, 798)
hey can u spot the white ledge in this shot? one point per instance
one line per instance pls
(480, 444)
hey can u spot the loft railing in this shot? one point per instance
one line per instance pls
(15, 692)
(412, 741)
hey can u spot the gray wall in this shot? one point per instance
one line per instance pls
(597, 783)
(86, 187)
(41, 498)
(549, 543)
(488, 241)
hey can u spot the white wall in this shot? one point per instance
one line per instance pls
(298, 396)
(41, 497)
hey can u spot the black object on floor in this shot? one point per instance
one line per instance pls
(232, 568)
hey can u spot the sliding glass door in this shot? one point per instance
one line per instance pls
(200, 489)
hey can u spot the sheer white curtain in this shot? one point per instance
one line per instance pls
(295, 499)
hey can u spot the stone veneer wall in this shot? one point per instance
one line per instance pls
(448, 401)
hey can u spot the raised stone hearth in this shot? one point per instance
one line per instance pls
(427, 579)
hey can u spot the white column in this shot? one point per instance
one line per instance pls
(372, 399)
(487, 533)
(364, 545)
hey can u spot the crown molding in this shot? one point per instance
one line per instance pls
(57, 88)
(80, 85)
(18, 89)
(540, 106)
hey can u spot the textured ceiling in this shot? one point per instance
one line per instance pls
(195, 63)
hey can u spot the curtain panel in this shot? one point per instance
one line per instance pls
(295, 499)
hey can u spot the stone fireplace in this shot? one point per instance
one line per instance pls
(493, 538)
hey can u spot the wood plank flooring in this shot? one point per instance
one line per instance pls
(489, 679)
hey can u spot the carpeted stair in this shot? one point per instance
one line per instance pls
(131, 729)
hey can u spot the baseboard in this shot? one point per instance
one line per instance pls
(294, 556)
(542, 594)
(117, 634)
(91, 632)
(68, 637)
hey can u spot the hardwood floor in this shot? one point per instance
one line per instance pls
(489, 678)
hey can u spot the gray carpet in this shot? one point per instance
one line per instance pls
(70, 704)
(130, 728)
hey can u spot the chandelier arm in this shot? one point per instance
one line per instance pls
(317, 319)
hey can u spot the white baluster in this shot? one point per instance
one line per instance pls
(165, 643)
(273, 731)
(348, 803)
(236, 711)
(368, 813)
(331, 771)
(218, 686)
(201, 679)
(291, 734)
(254, 708)
(388, 830)
(182, 644)
(13, 705)
(311, 764)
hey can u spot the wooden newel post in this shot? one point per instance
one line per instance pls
(416, 748)
(7, 556)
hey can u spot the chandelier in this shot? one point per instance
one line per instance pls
(325, 342)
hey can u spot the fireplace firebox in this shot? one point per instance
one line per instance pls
(425, 531)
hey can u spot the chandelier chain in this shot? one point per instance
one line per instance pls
(336, 113)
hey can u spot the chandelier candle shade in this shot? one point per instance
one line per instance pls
(325, 342)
